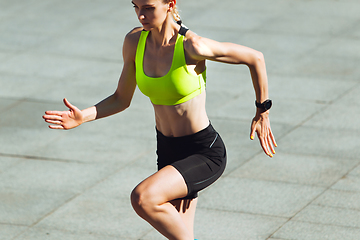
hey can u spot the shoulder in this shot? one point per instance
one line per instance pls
(196, 46)
(130, 42)
(191, 40)
(134, 34)
(132, 37)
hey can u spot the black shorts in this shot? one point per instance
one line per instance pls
(200, 157)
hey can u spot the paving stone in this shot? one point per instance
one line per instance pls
(303, 231)
(317, 66)
(322, 142)
(341, 199)
(356, 171)
(10, 8)
(340, 47)
(316, 171)
(17, 89)
(22, 142)
(4, 55)
(293, 117)
(21, 206)
(339, 9)
(83, 82)
(298, 89)
(354, 32)
(19, 41)
(89, 149)
(83, 47)
(340, 111)
(124, 124)
(230, 225)
(120, 184)
(348, 183)
(238, 18)
(8, 162)
(329, 216)
(24, 114)
(303, 24)
(53, 234)
(258, 197)
(76, 184)
(43, 65)
(147, 161)
(102, 214)
(6, 104)
(10, 231)
(41, 175)
(22, 129)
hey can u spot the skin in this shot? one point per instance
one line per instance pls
(152, 199)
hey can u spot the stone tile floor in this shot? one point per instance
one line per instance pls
(76, 184)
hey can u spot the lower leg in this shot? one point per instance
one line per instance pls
(151, 201)
(186, 209)
(166, 220)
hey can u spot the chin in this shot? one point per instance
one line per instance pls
(147, 27)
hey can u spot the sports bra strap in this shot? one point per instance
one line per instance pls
(178, 85)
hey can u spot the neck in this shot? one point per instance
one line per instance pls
(163, 35)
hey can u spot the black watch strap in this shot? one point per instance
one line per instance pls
(266, 105)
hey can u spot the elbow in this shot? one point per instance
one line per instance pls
(257, 59)
(121, 103)
(125, 105)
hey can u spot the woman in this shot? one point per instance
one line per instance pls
(167, 62)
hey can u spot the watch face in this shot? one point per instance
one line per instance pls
(268, 104)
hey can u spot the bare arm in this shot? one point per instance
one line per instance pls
(202, 48)
(113, 104)
(121, 99)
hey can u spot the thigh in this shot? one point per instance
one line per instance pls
(199, 172)
(163, 186)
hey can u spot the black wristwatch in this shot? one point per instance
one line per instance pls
(266, 105)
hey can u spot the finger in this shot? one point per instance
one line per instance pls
(264, 144)
(252, 130)
(52, 117)
(273, 138)
(59, 113)
(68, 104)
(56, 127)
(53, 122)
(271, 145)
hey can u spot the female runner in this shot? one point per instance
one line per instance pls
(167, 62)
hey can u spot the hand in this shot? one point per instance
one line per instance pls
(261, 125)
(64, 119)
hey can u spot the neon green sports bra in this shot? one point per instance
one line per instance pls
(177, 86)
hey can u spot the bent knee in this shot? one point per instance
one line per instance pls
(144, 199)
(135, 197)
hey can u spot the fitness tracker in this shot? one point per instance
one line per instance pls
(266, 105)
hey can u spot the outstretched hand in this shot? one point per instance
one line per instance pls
(261, 125)
(64, 119)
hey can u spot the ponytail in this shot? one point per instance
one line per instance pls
(176, 15)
